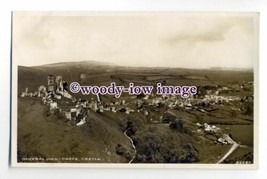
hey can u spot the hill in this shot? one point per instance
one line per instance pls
(46, 135)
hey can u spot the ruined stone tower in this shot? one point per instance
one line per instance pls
(50, 83)
(59, 84)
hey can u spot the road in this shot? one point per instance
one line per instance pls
(131, 140)
(232, 149)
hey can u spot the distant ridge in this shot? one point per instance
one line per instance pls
(93, 63)
(231, 69)
(79, 63)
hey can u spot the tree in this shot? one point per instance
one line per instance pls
(177, 124)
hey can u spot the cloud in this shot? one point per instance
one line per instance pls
(200, 33)
(158, 40)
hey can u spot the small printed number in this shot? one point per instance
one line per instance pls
(243, 162)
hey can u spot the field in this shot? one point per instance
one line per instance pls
(158, 129)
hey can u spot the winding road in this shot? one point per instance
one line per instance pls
(131, 140)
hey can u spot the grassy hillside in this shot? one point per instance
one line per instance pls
(41, 134)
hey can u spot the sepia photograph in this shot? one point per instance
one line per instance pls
(135, 89)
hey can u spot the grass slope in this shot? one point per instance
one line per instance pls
(42, 135)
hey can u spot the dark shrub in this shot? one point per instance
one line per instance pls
(177, 124)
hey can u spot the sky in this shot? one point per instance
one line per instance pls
(183, 40)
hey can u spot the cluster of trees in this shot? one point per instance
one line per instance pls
(121, 150)
(155, 147)
(247, 108)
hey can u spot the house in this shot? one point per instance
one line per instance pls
(226, 139)
(212, 128)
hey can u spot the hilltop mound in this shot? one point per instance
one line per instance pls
(42, 134)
